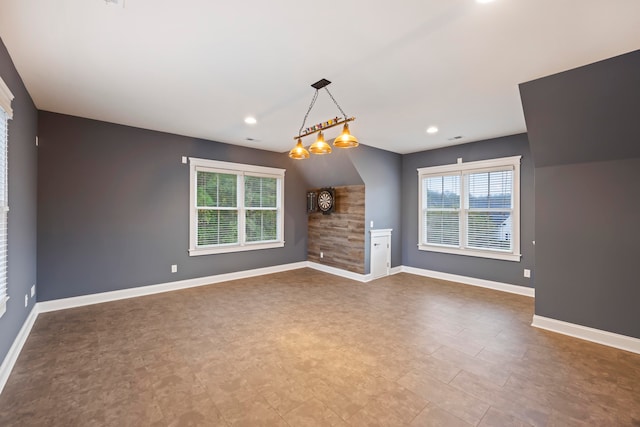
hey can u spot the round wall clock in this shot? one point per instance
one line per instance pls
(325, 200)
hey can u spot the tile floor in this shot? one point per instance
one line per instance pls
(304, 348)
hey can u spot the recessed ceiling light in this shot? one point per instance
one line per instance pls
(432, 130)
(250, 120)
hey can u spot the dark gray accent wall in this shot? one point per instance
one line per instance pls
(583, 129)
(510, 272)
(381, 171)
(113, 208)
(587, 244)
(586, 114)
(22, 204)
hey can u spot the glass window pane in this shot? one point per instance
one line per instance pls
(442, 228)
(489, 230)
(216, 227)
(261, 225)
(260, 192)
(442, 192)
(216, 189)
(490, 190)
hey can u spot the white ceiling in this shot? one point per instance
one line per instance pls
(199, 67)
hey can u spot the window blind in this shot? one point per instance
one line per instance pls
(217, 206)
(441, 218)
(234, 207)
(489, 208)
(471, 208)
(261, 204)
(4, 206)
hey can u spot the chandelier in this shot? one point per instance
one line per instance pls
(344, 140)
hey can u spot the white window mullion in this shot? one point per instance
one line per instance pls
(241, 212)
(516, 209)
(279, 212)
(463, 210)
(193, 211)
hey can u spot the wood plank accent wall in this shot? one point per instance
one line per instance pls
(340, 235)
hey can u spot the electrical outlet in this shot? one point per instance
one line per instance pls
(184, 160)
(527, 272)
(33, 291)
(321, 254)
(174, 268)
(26, 300)
(371, 225)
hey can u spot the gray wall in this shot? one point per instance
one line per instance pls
(113, 208)
(587, 244)
(501, 271)
(329, 170)
(381, 171)
(583, 128)
(22, 204)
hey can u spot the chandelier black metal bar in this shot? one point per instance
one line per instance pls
(344, 140)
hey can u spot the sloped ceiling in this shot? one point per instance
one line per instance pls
(199, 67)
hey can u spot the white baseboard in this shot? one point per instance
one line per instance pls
(64, 303)
(16, 347)
(79, 301)
(498, 286)
(395, 270)
(349, 274)
(610, 339)
(339, 272)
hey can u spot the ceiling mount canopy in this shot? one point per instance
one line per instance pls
(344, 140)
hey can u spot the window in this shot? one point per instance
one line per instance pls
(5, 115)
(235, 207)
(471, 208)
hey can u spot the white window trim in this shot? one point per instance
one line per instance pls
(465, 168)
(6, 97)
(240, 170)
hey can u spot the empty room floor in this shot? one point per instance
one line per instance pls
(305, 348)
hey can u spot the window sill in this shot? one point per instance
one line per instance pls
(470, 252)
(3, 305)
(234, 248)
